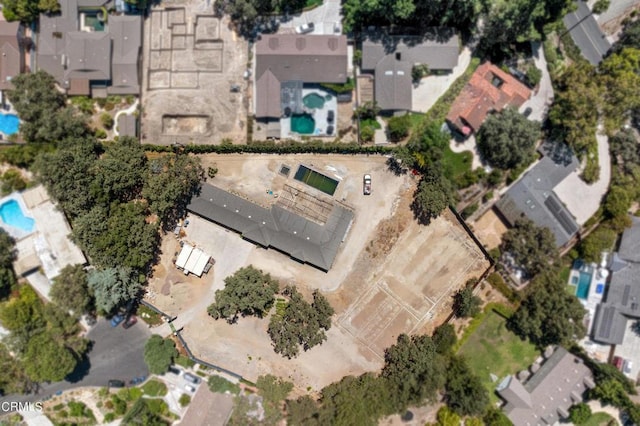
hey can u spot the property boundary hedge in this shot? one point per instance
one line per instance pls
(268, 147)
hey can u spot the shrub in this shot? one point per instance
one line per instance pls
(154, 388)
(101, 134)
(398, 127)
(496, 281)
(184, 400)
(107, 120)
(534, 75)
(367, 133)
(469, 210)
(222, 385)
(119, 406)
(212, 172)
(109, 417)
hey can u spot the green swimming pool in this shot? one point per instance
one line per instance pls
(316, 180)
(303, 124)
(313, 100)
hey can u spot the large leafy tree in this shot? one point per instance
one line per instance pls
(465, 303)
(7, 256)
(70, 290)
(530, 246)
(507, 139)
(247, 292)
(13, 379)
(625, 151)
(465, 393)
(548, 314)
(301, 324)
(159, 354)
(620, 76)
(119, 172)
(27, 11)
(434, 194)
(113, 287)
(46, 360)
(414, 369)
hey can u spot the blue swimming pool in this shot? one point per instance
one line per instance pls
(583, 285)
(12, 215)
(9, 124)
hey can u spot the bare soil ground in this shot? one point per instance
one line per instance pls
(191, 60)
(489, 229)
(391, 275)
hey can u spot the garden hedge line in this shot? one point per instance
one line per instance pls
(269, 147)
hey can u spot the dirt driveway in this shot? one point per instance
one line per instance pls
(191, 59)
(390, 276)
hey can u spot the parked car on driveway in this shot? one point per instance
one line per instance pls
(190, 388)
(191, 378)
(305, 28)
(131, 320)
(174, 370)
(117, 319)
(113, 383)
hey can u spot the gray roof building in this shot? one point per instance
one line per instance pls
(546, 396)
(391, 59)
(586, 33)
(532, 196)
(291, 57)
(11, 56)
(276, 227)
(622, 301)
(81, 57)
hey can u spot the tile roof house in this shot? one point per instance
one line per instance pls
(285, 58)
(81, 58)
(532, 196)
(391, 59)
(622, 302)
(276, 227)
(11, 54)
(490, 89)
(546, 396)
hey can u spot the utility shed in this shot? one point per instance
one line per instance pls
(184, 256)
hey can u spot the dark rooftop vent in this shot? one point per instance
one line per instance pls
(333, 44)
(273, 43)
(301, 43)
(398, 56)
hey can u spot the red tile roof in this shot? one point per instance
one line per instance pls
(483, 94)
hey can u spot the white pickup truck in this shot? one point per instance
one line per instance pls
(366, 185)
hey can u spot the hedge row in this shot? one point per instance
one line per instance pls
(270, 147)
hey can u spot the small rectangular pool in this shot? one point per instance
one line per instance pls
(316, 180)
(583, 285)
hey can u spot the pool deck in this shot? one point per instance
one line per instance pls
(319, 115)
(593, 297)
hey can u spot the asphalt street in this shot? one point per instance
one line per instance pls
(117, 353)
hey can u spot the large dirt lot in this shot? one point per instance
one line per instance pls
(191, 60)
(390, 276)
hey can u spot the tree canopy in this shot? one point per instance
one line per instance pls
(113, 287)
(434, 194)
(549, 315)
(465, 393)
(248, 291)
(70, 290)
(27, 11)
(465, 303)
(302, 324)
(507, 139)
(159, 354)
(7, 256)
(530, 246)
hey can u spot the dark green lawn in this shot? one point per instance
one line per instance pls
(494, 349)
(598, 419)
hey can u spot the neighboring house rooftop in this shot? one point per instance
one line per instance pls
(545, 398)
(623, 295)
(533, 197)
(276, 227)
(586, 33)
(301, 58)
(490, 89)
(11, 61)
(76, 58)
(391, 59)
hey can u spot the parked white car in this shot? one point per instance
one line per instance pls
(305, 28)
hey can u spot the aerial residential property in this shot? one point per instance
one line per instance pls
(545, 394)
(91, 52)
(286, 64)
(390, 59)
(490, 89)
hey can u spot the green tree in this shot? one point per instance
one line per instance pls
(579, 413)
(534, 75)
(12, 180)
(70, 290)
(23, 316)
(398, 127)
(159, 354)
(274, 392)
(303, 411)
(531, 247)
(602, 239)
(7, 257)
(414, 370)
(464, 392)
(617, 202)
(619, 76)
(113, 287)
(27, 11)
(496, 417)
(630, 36)
(507, 139)
(548, 314)
(248, 291)
(13, 379)
(445, 338)
(465, 303)
(142, 414)
(600, 6)
(447, 417)
(301, 324)
(625, 151)
(434, 194)
(119, 172)
(107, 120)
(45, 360)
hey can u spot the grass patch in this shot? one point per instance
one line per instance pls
(184, 361)
(149, 316)
(492, 349)
(439, 110)
(312, 3)
(154, 388)
(222, 385)
(598, 419)
(281, 305)
(416, 120)
(370, 122)
(456, 164)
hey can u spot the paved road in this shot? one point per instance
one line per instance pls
(586, 33)
(116, 354)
